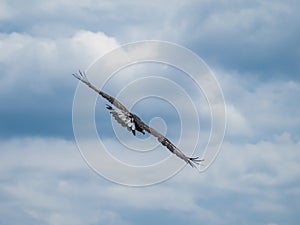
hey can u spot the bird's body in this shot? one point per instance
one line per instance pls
(134, 123)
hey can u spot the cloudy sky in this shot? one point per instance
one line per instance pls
(251, 46)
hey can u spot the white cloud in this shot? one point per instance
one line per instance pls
(46, 178)
(32, 151)
(237, 124)
(33, 61)
(265, 163)
(258, 110)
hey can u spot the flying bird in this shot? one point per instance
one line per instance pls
(134, 123)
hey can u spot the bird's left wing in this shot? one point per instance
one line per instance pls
(192, 161)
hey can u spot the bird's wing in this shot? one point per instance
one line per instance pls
(82, 77)
(123, 117)
(192, 161)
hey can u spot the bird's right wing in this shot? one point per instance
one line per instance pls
(82, 77)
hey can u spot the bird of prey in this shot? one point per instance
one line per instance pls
(133, 123)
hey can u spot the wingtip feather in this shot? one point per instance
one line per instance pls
(194, 161)
(80, 76)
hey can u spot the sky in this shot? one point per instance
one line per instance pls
(252, 47)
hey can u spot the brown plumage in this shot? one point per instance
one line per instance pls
(133, 123)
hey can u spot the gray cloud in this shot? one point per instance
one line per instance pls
(257, 37)
(252, 47)
(250, 38)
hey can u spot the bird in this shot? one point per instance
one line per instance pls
(134, 123)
